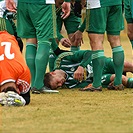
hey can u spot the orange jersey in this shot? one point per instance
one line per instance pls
(13, 67)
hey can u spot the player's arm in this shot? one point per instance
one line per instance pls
(66, 8)
(79, 73)
(55, 47)
(82, 56)
(77, 37)
(82, 27)
(86, 58)
(64, 41)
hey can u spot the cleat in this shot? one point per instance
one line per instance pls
(48, 90)
(111, 86)
(91, 88)
(43, 90)
(35, 91)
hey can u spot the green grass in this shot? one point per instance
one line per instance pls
(72, 111)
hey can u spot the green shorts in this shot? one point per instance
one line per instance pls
(36, 21)
(71, 23)
(128, 8)
(103, 19)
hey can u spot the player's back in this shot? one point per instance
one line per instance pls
(10, 55)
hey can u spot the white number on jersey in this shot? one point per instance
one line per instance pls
(7, 51)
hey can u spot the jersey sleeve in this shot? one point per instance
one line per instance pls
(83, 56)
(23, 81)
(82, 26)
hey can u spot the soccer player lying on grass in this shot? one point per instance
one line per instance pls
(14, 73)
(74, 70)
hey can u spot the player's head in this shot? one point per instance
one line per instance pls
(54, 79)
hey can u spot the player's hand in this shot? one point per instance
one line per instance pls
(66, 9)
(65, 42)
(11, 5)
(11, 99)
(79, 73)
(77, 38)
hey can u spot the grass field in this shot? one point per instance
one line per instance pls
(72, 111)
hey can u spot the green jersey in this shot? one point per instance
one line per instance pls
(69, 62)
(110, 2)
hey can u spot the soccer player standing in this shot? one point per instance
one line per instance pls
(105, 16)
(36, 21)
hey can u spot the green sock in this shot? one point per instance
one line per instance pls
(41, 61)
(98, 60)
(30, 55)
(118, 59)
(52, 58)
(75, 48)
(130, 83)
(131, 43)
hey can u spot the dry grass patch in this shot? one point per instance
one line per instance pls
(72, 111)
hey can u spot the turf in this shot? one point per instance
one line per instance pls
(72, 111)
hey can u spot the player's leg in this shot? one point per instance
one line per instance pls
(25, 29)
(30, 56)
(96, 36)
(41, 27)
(71, 24)
(45, 30)
(128, 66)
(113, 33)
(126, 81)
